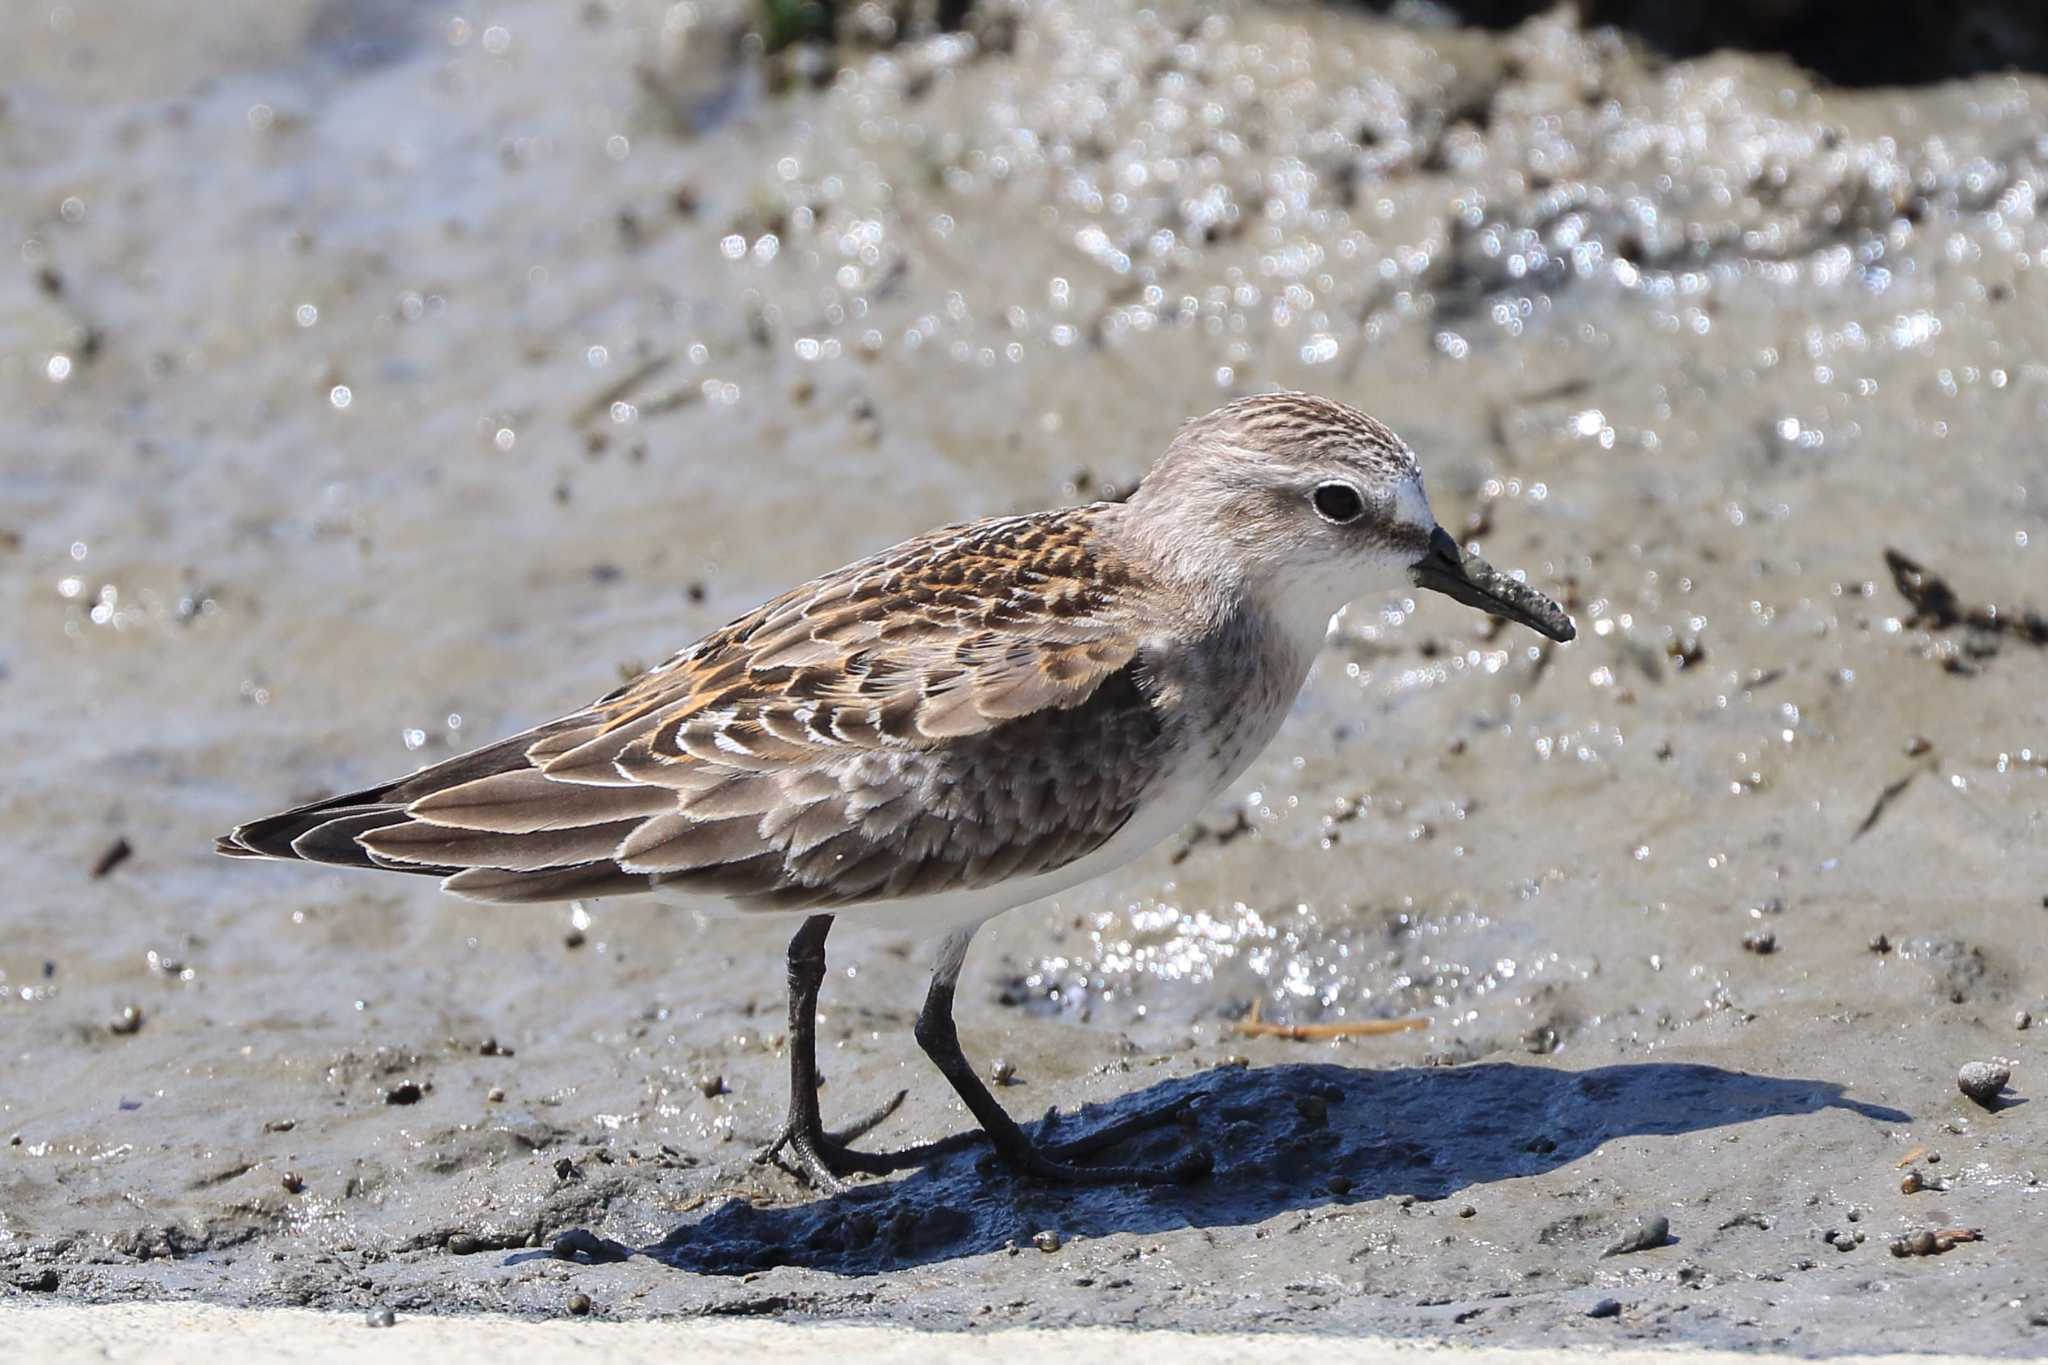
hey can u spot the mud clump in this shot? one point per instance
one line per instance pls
(1647, 1234)
(1955, 969)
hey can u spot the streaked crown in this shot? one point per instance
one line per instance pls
(1301, 428)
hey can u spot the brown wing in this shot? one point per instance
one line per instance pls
(964, 708)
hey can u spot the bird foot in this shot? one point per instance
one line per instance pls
(823, 1159)
(820, 1158)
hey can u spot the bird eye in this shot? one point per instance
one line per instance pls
(1338, 502)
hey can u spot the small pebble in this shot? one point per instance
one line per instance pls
(1762, 942)
(573, 939)
(405, 1092)
(1046, 1241)
(129, 1021)
(496, 1094)
(1338, 1185)
(1880, 945)
(711, 1087)
(1982, 1081)
(380, 1316)
(579, 1305)
(293, 1182)
(1912, 1184)
(1606, 1308)
(2021, 1019)
(1002, 1071)
(463, 1244)
(1467, 1212)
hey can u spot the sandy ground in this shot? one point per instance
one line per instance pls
(169, 1334)
(376, 381)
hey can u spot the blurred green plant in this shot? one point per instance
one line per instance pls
(784, 22)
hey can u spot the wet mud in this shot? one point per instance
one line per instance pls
(378, 380)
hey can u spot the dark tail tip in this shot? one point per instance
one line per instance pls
(229, 846)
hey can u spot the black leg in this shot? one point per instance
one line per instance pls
(820, 1157)
(940, 1040)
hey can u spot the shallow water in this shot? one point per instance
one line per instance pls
(381, 380)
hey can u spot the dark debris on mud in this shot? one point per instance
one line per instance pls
(1937, 608)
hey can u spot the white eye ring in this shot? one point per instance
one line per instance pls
(1338, 503)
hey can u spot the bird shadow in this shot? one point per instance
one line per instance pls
(1283, 1137)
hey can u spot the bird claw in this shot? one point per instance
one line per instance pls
(820, 1158)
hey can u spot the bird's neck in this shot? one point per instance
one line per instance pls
(1219, 597)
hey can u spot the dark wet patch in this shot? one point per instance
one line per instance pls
(1284, 1138)
(1918, 41)
(362, 35)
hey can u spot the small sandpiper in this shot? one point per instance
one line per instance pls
(969, 722)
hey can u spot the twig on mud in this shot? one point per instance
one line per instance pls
(1884, 799)
(1254, 1027)
(602, 402)
(116, 853)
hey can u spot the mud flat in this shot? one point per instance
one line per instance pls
(378, 380)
